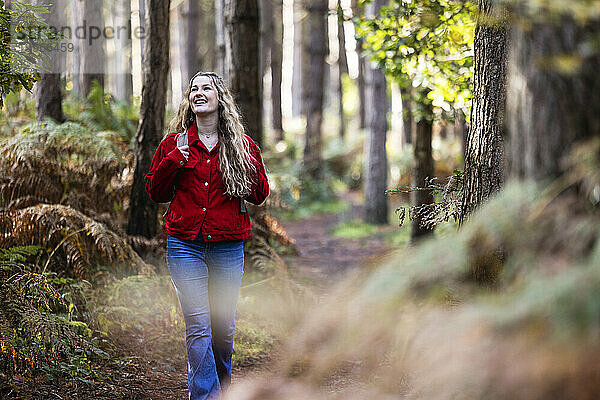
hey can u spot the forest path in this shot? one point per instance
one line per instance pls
(325, 259)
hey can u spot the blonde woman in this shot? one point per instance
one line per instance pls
(207, 167)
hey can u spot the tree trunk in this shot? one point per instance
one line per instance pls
(422, 169)
(243, 62)
(142, 210)
(48, 90)
(356, 12)
(407, 116)
(92, 58)
(190, 62)
(548, 109)
(143, 28)
(484, 155)
(342, 68)
(123, 64)
(316, 50)
(276, 68)
(297, 66)
(220, 38)
(376, 205)
(75, 75)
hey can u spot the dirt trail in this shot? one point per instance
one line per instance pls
(325, 259)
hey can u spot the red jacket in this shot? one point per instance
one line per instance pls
(196, 191)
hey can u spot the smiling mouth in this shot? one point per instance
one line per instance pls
(199, 102)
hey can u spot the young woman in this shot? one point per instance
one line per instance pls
(207, 167)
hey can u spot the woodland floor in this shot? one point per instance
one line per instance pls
(322, 261)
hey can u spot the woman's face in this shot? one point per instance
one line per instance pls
(203, 96)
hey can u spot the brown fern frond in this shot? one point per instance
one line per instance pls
(63, 164)
(80, 242)
(268, 228)
(264, 256)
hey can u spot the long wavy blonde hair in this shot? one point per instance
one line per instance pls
(237, 167)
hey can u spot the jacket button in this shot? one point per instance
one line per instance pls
(205, 183)
(203, 208)
(181, 162)
(208, 237)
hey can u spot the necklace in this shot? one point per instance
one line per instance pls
(208, 135)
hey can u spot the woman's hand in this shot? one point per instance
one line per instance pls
(185, 150)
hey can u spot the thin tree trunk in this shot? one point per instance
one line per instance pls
(407, 116)
(356, 12)
(342, 64)
(123, 64)
(48, 90)
(143, 28)
(548, 110)
(276, 68)
(243, 63)
(422, 169)
(190, 63)
(220, 39)
(76, 18)
(142, 210)
(297, 72)
(316, 50)
(484, 155)
(376, 204)
(93, 56)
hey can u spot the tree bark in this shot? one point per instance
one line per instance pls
(276, 68)
(76, 18)
(548, 109)
(316, 51)
(48, 90)
(220, 38)
(342, 68)
(484, 155)
(142, 210)
(356, 12)
(376, 204)
(407, 116)
(422, 169)
(190, 62)
(123, 64)
(243, 62)
(297, 66)
(92, 58)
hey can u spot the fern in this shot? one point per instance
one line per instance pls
(62, 164)
(80, 241)
(32, 331)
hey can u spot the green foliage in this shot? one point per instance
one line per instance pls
(354, 229)
(101, 112)
(21, 56)
(426, 45)
(38, 329)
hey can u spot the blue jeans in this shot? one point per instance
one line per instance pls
(207, 277)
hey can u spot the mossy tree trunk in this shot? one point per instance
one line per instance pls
(484, 151)
(143, 211)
